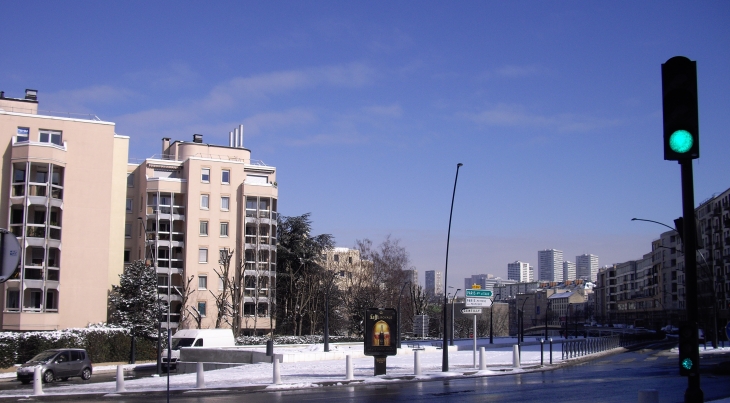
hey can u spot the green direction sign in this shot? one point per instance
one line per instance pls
(479, 293)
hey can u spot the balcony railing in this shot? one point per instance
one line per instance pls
(18, 190)
(36, 232)
(38, 190)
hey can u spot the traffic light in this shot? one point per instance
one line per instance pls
(689, 353)
(679, 101)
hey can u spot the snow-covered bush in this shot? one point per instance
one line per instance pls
(309, 339)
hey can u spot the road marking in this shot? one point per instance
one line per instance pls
(603, 362)
(651, 358)
(628, 360)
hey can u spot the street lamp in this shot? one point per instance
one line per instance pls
(491, 315)
(546, 318)
(521, 327)
(445, 357)
(451, 343)
(153, 262)
(399, 311)
(327, 314)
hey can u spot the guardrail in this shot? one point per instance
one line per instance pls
(581, 347)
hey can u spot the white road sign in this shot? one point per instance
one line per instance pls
(475, 311)
(478, 302)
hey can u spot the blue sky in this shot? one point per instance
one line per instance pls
(554, 108)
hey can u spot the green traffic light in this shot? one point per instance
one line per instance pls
(680, 141)
(687, 363)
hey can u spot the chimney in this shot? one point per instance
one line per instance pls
(2, 94)
(165, 144)
(197, 138)
(31, 95)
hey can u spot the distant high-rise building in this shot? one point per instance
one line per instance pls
(434, 282)
(412, 276)
(568, 271)
(586, 267)
(521, 272)
(550, 265)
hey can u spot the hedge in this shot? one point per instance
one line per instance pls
(104, 344)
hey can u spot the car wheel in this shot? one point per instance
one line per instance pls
(86, 374)
(48, 377)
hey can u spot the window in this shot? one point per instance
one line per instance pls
(204, 228)
(204, 201)
(203, 255)
(127, 230)
(129, 205)
(48, 136)
(205, 175)
(19, 175)
(226, 176)
(202, 282)
(130, 180)
(220, 284)
(201, 308)
(23, 133)
(13, 301)
(225, 202)
(126, 255)
(224, 229)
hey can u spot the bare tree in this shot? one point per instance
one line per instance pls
(184, 292)
(223, 302)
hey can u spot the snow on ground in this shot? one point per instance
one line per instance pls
(311, 373)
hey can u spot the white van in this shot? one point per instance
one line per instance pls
(197, 338)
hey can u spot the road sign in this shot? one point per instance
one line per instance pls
(479, 293)
(468, 311)
(9, 255)
(478, 302)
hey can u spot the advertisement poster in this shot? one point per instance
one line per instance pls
(381, 331)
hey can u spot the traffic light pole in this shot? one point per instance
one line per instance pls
(694, 393)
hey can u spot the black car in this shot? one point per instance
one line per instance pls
(57, 364)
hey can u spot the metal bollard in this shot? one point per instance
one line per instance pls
(482, 359)
(277, 375)
(542, 350)
(516, 356)
(416, 363)
(37, 381)
(551, 351)
(200, 379)
(348, 368)
(649, 396)
(120, 379)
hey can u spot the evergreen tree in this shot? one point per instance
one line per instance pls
(135, 302)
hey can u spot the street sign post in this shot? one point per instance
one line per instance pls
(476, 298)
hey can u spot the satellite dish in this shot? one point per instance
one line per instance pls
(9, 255)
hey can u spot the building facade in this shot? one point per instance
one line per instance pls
(568, 270)
(550, 265)
(434, 283)
(521, 272)
(586, 267)
(191, 209)
(63, 184)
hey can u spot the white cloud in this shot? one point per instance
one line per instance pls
(511, 115)
(78, 99)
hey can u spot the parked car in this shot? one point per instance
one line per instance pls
(196, 338)
(57, 364)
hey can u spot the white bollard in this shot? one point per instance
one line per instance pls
(649, 396)
(277, 375)
(516, 356)
(37, 381)
(120, 379)
(416, 363)
(348, 370)
(482, 359)
(200, 381)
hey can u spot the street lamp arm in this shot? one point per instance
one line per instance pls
(655, 222)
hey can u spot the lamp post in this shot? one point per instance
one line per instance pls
(491, 315)
(547, 310)
(399, 311)
(445, 357)
(159, 324)
(327, 314)
(521, 326)
(451, 343)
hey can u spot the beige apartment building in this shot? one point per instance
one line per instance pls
(63, 186)
(191, 203)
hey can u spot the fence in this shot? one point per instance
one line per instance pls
(580, 347)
